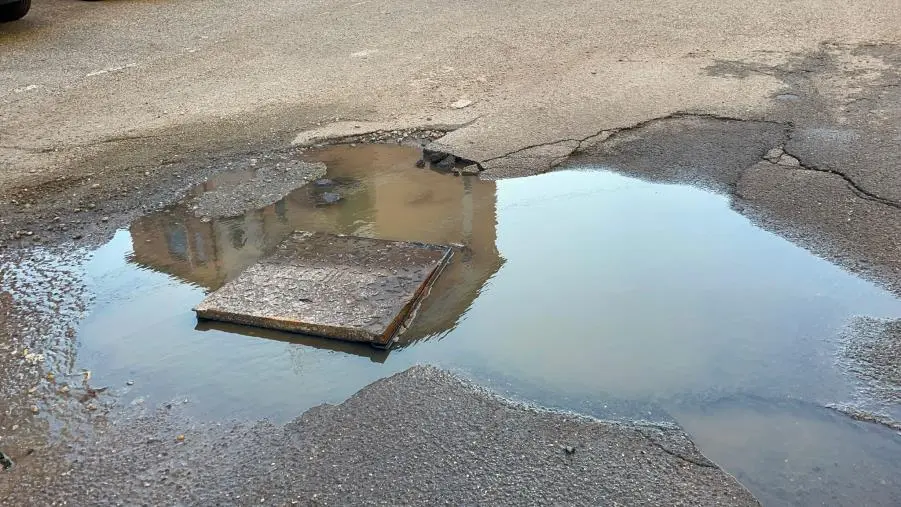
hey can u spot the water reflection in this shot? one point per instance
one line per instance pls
(358, 349)
(382, 195)
(621, 297)
(793, 453)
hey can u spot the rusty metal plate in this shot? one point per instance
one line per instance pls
(342, 287)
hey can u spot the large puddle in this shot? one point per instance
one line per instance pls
(577, 289)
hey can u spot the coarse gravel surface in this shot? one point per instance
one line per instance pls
(267, 185)
(421, 437)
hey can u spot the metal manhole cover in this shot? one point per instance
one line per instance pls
(342, 287)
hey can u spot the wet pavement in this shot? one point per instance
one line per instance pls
(421, 437)
(581, 289)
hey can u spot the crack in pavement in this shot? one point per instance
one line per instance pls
(26, 150)
(857, 189)
(539, 145)
(607, 134)
(611, 132)
(706, 464)
(91, 144)
(122, 139)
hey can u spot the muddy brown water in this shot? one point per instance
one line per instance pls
(580, 289)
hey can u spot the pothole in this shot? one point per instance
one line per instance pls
(628, 294)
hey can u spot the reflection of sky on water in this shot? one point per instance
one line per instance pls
(581, 287)
(609, 285)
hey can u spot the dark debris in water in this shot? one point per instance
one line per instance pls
(447, 162)
(327, 198)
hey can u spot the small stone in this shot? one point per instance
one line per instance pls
(77, 236)
(774, 154)
(35, 409)
(146, 173)
(789, 161)
(130, 383)
(104, 219)
(95, 185)
(460, 104)
(470, 170)
(64, 390)
(420, 163)
(91, 407)
(180, 438)
(330, 197)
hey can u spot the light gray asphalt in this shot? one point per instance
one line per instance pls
(134, 81)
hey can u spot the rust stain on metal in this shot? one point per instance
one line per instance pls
(342, 287)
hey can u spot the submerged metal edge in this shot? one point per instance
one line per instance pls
(409, 310)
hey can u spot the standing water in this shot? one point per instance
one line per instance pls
(582, 290)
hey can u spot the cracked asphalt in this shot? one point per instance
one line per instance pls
(839, 195)
(113, 109)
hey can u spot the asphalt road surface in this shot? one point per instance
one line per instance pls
(109, 109)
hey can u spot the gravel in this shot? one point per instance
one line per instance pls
(267, 185)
